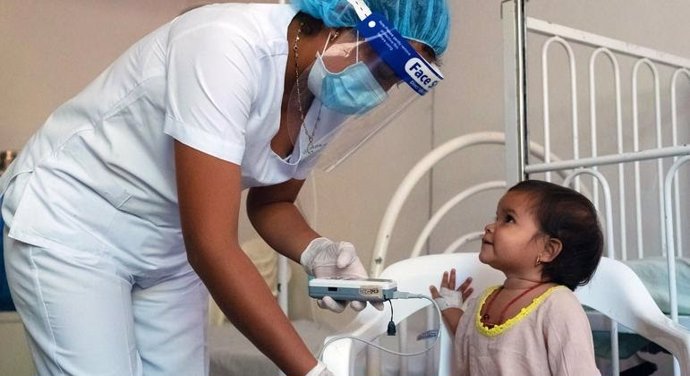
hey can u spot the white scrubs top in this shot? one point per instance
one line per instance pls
(99, 175)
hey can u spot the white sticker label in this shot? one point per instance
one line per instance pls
(371, 291)
(421, 73)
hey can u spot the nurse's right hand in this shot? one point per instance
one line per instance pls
(324, 258)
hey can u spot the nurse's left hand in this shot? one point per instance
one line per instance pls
(324, 258)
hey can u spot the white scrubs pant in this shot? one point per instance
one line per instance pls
(84, 316)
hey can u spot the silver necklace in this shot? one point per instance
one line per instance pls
(310, 136)
(295, 48)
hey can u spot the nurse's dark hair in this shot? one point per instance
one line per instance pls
(310, 25)
(570, 217)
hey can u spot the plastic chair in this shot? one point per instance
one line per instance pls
(618, 293)
(615, 291)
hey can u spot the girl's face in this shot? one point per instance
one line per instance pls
(513, 242)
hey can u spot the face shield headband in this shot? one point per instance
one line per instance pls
(395, 50)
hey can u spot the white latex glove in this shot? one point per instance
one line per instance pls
(319, 370)
(324, 258)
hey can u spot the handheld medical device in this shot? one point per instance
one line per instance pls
(369, 289)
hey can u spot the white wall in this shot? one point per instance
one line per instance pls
(51, 49)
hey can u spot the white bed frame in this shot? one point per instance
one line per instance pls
(668, 156)
(538, 157)
(478, 140)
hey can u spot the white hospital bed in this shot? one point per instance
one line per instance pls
(639, 189)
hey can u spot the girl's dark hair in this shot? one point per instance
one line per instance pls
(569, 216)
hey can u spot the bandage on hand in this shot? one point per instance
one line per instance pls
(448, 296)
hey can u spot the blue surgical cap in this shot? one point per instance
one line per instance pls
(426, 21)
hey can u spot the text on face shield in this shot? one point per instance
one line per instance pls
(421, 73)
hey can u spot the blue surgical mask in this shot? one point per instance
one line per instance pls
(351, 91)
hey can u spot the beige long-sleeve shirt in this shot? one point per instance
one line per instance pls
(550, 337)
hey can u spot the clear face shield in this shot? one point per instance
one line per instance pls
(361, 80)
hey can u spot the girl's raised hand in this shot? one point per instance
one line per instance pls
(449, 296)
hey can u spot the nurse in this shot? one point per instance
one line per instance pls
(121, 212)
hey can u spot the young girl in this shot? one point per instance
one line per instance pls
(547, 241)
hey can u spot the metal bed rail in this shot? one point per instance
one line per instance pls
(647, 65)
